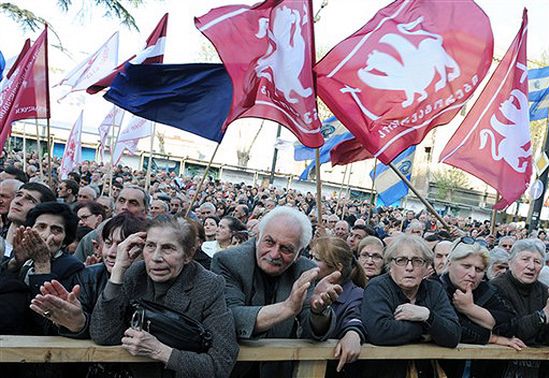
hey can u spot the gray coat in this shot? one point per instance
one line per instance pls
(197, 293)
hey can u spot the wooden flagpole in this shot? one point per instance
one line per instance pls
(50, 181)
(341, 188)
(148, 176)
(421, 198)
(199, 187)
(318, 186)
(372, 191)
(493, 217)
(38, 149)
(24, 148)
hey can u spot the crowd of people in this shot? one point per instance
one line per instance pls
(109, 256)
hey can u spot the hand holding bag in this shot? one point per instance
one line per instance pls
(170, 327)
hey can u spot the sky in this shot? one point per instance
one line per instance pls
(84, 28)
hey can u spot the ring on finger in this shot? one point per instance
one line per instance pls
(47, 314)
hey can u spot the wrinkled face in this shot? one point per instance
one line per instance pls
(105, 203)
(130, 200)
(526, 266)
(175, 205)
(223, 233)
(88, 219)
(86, 194)
(441, 256)
(23, 201)
(164, 257)
(109, 248)
(499, 269)
(51, 229)
(341, 229)
(157, 208)
(466, 273)
(355, 237)
(277, 247)
(206, 212)
(371, 259)
(210, 227)
(409, 275)
(7, 194)
(507, 244)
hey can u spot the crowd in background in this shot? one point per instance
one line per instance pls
(78, 250)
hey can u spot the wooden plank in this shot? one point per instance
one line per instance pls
(310, 369)
(60, 349)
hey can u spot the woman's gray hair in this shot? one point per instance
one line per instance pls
(306, 229)
(532, 245)
(409, 241)
(461, 250)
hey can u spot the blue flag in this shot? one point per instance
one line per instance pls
(334, 133)
(538, 93)
(191, 97)
(2, 65)
(390, 188)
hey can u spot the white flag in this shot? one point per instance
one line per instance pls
(128, 137)
(114, 117)
(73, 149)
(94, 67)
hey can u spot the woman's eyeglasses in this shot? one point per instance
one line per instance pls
(376, 257)
(403, 261)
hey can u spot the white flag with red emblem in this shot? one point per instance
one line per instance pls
(409, 69)
(130, 135)
(113, 118)
(268, 51)
(94, 67)
(73, 149)
(153, 53)
(493, 142)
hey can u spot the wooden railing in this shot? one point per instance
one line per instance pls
(311, 356)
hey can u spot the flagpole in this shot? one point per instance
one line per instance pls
(341, 188)
(372, 194)
(538, 203)
(275, 156)
(148, 176)
(38, 149)
(493, 218)
(199, 187)
(48, 109)
(24, 148)
(50, 182)
(423, 200)
(113, 147)
(318, 186)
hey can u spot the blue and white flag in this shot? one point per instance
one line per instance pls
(538, 93)
(334, 133)
(2, 65)
(390, 188)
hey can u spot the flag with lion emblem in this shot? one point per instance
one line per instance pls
(268, 51)
(409, 69)
(493, 142)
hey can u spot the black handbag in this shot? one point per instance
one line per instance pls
(170, 327)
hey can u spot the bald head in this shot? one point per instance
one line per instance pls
(8, 188)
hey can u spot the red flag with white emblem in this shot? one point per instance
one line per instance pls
(409, 69)
(25, 93)
(268, 51)
(73, 149)
(152, 53)
(493, 142)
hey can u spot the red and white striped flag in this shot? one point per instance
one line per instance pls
(73, 149)
(153, 53)
(94, 67)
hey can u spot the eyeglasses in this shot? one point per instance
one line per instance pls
(470, 241)
(376, 257)
(403, 261)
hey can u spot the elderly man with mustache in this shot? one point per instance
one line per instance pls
(270, 287)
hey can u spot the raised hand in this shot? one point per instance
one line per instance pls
(463, 300)
(126, 253)
(326, 292)
(299, 290)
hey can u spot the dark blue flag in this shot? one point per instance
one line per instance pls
(191, 97)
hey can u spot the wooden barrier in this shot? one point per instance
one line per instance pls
(312, 356)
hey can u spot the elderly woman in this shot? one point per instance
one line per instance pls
(400, 307)
(167, 276)
(333, 254)
(481, 310)
(498, 263)
(370, 256)
(530, 300)
(228, 226)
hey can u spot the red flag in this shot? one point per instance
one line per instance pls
(493, 141)
(25, 94)
(348, 152)
(409, 69)
(268, 51)
(153, 53)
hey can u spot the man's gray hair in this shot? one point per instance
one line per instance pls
(306, 232)
(12, 183)
(208, 205)
(146, 196)
(531, 245)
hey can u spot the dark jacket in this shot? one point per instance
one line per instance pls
(347, 312)
(486, 297)
(381, 298)
(196, 293)
(526, 300)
